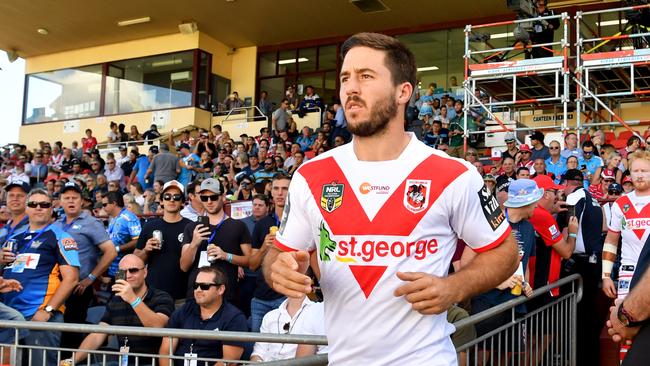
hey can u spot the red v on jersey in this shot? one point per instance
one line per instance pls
(630, 213)
(429, 179)
(393, 218)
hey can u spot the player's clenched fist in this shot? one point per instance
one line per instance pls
(288, 274)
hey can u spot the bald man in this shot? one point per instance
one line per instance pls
(134, 304)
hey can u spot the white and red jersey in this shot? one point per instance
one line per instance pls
(368, 220)
(631, 218)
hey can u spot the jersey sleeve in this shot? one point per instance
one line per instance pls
(616, 222)
(476, 216)
(134, 227)
(546, 227)
(295, 232)
(68, 250)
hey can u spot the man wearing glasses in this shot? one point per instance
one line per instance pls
(96, 252)
(589, 162)
(123, 229)
(208, 310)
(162, 256)
(555, 164)
(44, 260)
(134, 304)
(225, 243)
(114, 173)
(280, 118)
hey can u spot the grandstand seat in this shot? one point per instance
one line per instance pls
(609, 137)
(625, 135)
(619, 144)
(310, 154)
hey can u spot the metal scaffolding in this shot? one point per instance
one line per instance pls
(516, 84)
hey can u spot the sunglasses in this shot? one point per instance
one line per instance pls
(212, 198)
(613, 193)
(175, 197)
(587, 152)
(105, 204)
(42, 204)
(204, 286)
(133, 270)
(554, 148)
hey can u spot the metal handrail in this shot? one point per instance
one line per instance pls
(510, 304)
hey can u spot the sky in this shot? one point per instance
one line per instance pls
(12, 79)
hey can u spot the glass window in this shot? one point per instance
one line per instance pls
(287, 62)
(267, 64)
(149, 83)
(202, 99)
(307, 59)
(220, 91)
(63, 94)
(327, 57)
(275, 88)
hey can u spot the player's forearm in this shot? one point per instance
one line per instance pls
(256, 258)
(487, 270)
(128, 247)
(92, 342)
(149, 318)
(188, 253)
(108, 255)
(270, 257)
(637, 301)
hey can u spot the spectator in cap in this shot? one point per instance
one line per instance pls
(539, 150)
(164, 166)
(188, 162)
(613, 193)
(627, 184)
(555, 164)
(511, 146)
(589, 162)
(571, 146)
(523, 158)
(151, 134)
(490, 182)
(599, 191)
(16, 203)
(204, 144)
(586, 258)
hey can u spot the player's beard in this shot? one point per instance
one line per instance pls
(381, 113)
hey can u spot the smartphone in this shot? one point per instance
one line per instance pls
(203, 220)
(583, 167)
(571, 210)
(120, 275)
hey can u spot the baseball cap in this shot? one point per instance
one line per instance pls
(70, 185)
(173, 183)
(184, 146)
(203, 134)
(627, 179)
(573, 174)
(18, 183)
(536, 135)
(615, 188)
(489, 177)
(523, 192)
(524, 147)
(154, 149)
(212, 185)
(545, 182)
(122, 148)
(509, 137)
(608, 174)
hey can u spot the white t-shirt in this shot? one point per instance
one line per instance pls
(631, 218)
(370, 219)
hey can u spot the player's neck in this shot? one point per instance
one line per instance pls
(16, 219)
(279, 211)
(172, 217)
(515, 215)
(388, 145)
(35, 226)
(643, 193)
(71, 217)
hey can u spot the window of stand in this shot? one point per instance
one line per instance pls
(175, 80)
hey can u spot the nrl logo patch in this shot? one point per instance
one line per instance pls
(332, 197)
(416, 195)
(626, 208)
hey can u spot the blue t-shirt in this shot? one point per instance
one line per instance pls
(525, 235)
(141, 165)
(227, 318)
(122, 229)
(89, 233)
(38, 257)
(185, 177)
(432, 139)
(557, 169)
(592, 164)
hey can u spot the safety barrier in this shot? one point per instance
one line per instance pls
(109, 357)
(544, 336)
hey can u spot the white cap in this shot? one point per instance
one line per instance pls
(173, 183)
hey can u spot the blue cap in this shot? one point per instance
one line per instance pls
(523, 192)
(615, 187)
(18, 183)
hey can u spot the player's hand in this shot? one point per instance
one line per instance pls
(7, 256)
(240, 273)
(216, 252)
(151, 244)
(528, 291)
(427, 294)
(269, 240)
(83, 284)
(609, 288)
(511, 282)
(200, 233)
(124, 290)
(616, 329)
(573, 225)
(288, 274)
(41, 316)
(10, 285)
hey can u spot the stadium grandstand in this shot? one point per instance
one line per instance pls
(227, 182)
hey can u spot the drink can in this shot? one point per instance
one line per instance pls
(9, 245)
(273, 230)
(67, 362)
(157, 234)
(211, 258)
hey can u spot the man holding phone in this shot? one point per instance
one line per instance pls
(162, 256)
(134, 304)
(215, 240)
